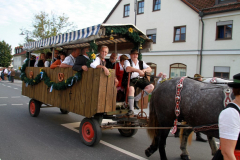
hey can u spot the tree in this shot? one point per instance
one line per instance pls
(5, 54)
(45, 26)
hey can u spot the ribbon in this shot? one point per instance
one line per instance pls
(41, 75)
(236, 80)
(175, 127)
(72, 81)
(26, 84)
(21, 75)
(51, 88)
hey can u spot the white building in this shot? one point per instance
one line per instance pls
(176, 28)
(18, 57)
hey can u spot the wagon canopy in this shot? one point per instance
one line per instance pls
(102, 34)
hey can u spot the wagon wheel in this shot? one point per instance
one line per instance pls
(90, 131)
(127, 132)
(34, 107)
(63, 111)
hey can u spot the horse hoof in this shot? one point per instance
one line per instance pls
(185, 157)
(149, 152)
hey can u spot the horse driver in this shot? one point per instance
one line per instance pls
(137, 69)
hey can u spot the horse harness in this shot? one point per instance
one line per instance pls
(179, 88)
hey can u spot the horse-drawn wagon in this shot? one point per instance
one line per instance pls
(90, 94)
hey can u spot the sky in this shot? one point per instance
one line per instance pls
(15, 14)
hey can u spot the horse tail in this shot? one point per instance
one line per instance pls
(152, 122)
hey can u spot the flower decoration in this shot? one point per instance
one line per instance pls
(19, 68)
(111, 37)
(130, 30)
(140, 47)
(111, 31)
(41, 70)
(93, 56)
(34, 81)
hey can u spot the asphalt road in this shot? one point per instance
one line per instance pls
(54, 136)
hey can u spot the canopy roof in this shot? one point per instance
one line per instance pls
(82, 37)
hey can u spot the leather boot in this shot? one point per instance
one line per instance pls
(136, 105)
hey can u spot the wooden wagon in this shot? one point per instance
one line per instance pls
(94, 96)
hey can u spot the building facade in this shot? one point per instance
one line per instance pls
(190, 36)
(18, 57)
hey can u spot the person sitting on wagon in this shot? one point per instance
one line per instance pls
(70, 60)
(56, 52)
(59, 60)
(42, 60)
(120, 70)
(137, 69)
(81, 61)
(100, 61)
(110, 63)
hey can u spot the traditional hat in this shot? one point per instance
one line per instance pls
(236, 81)
(133, 51)
(196, 76)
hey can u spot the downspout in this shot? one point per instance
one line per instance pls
(201, 15)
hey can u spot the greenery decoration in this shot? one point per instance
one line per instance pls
(91, 54)
(43, 76)
(127, 32)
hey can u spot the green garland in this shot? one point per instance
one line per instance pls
(43, 76)
(128, 33)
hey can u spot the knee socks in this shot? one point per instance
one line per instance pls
(138, 97)
(131, 102)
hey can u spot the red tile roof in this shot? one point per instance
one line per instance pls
(209, 7)
(22, 53)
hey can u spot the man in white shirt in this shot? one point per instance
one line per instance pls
(137, 70)
(70, 60)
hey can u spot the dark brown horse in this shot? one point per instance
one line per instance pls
(201, 104)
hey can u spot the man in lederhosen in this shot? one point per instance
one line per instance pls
(137, 69)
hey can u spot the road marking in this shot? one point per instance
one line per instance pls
(4, 85)
(3, 104)
(3, 97)
(17, 104)
(9, 86)
(72, 127)
(15, 97)
(15, 88)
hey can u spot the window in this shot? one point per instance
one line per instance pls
(156, 5)
(179, 34)
(224, 30)
(221, 72)
(126, 10)
(151, 34)
(224, 1)
(177, 70)
(140, 7)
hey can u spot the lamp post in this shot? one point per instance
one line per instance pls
(24, 34)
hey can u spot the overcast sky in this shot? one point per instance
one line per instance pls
(17, 14)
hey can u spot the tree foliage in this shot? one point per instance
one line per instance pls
(45, 26)
(5, 54)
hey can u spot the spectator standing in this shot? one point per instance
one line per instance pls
(12, 75)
